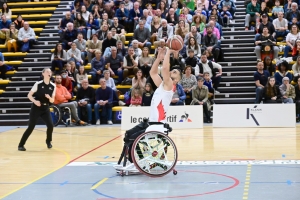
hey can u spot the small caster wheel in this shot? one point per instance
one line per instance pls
(122, 173)
(174, 172)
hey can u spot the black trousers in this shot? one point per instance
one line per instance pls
(205, 110)
(36, 112)
(3, 71)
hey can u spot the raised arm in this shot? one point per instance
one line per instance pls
(154, 69)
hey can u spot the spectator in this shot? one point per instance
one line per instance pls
(200, 97)
(188, 82)
(130, 63)
(277, 9)
(62, 95)
(84, 13)
(271, 92)
(104, 100)
(297, 100)
(225, 16)
(109, 10)
(102, 33)
(93, 45)
(66, 81)
(208, 66)
(288, 6)
(230, 5)
(186, 14)
(192, 45)
(137, 50)
(265, 39)
(294, 22)
(177, 61)
(98, 65)
(162, 6)
(75, 8)
(265, 23)
(193, 34)
(145, 62)
(19, 22)
(261, 78)
(69, 36)
(181, 29)
(294, 12)
(135, 14)
(208, 83)
(291, 40)
(74, 54)
(120, 29)
(172, 17)
(58, 58)
(110, 82)
(122, 14)
(4, 27)
(210, 43)
(269, 66)
(80, 24)
(63, 23)
(139, 81)
(165, 31)
(264, 10)
(114, 64)
(2, 67)
(147, 95)
(121, 49)
(26, 37)
(80, 76)
(191, 60)
(81, 46)
(108, 43)
(215, 30)
(128, 4)
(199, 23)
(144, 19)
(142, 35)
(283, 71)
(96, 12)
(72, 73)
(11, 38)
(105, 18)
(6, 11)
(136, 98)
(186, 24)
(281, 26)
(287, 91)
(92, 26)
(88, 5)
(178, 96)
(85, 100)
(252, 13)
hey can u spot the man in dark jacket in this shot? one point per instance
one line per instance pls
(142, 35)
(294, 12)
(210, 43)
(107, 44)
(69, 36)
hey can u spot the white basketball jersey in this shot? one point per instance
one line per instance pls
(160, 104)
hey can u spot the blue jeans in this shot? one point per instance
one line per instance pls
(106, 111)
(88, 108)
(76, 62)
(57, 63)
(288, 100)
(256, 36)
(83, 56)
(90, 32)
(148, 44)
(120, 75)
(178, 103)
(287, 49)
(259, 94)
(281, 33)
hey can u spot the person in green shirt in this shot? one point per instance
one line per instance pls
(252, 13)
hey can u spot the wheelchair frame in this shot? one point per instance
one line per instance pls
(57, 112)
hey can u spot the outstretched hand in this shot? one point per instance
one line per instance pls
(161, 53)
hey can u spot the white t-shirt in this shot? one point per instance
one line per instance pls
(280, 24)
(291, 38)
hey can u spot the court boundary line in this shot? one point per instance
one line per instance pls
(67, 159)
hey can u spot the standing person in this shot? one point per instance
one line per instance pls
(44, 95)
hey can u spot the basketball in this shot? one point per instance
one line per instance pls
(175, 42)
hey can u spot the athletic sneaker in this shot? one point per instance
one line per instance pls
(109, 122)
(98, 122)
(121, 103)
(81, 123)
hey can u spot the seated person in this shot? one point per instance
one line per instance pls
(269, 66)
(178, 96)
(139, 81)
(294, 12)
(192, 45)
(85, 100)
(176, 61)
(63, 23)
(271, 92)
(137, 50)
(130, 63)
(261, 78)
(80, 76)
(188, 82)
(147, 95)
(277, 8)
(93, 45)
(208, 83)
(12, 38)
(66, 81)
(114, 64)
(26, 37)
(265, 39)
(81, 46)
(296, 50)
(281, 26)
(58, 58)
(62, 96)
(210, 43)
(200, 97)
(108, 42)
(252, 13)
(296, 70)
(104, 101)
(145, 61)
(136, 98)
(287, 91)
(68, 36)
(191, 60)
(142, 35)
(110, 82)
(4, 27)
(225, 16)
(283, 71)
(291, 40)
(98, 65)
(74, 54)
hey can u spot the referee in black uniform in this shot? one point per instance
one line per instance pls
(44, 95)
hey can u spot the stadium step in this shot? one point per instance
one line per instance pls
(238, 45)
(236, 95)
(237, 78)
(238, 68)
(244, 49)
(20, 122)
(28, 73)
(238, 63)
(19, 88)
(233, 41)
(23, 83)
(236, 89)
(238, 73)
(15, 105)
(14, 94)
(14, 99)
(241, 58)
(38, 59)
(235, 100)
(244, 54)
(14, 110)
(237, 84)
(48, 46)
(13, 116)
(26, 78)
(35, 68)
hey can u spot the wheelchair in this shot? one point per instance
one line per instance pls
(152, 152)
(60, 115)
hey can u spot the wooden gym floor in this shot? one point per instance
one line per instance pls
(104, 144)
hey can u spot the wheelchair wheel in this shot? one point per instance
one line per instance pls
(55, 114)
(154, 154)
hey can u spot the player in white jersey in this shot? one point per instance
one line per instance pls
(166, 86)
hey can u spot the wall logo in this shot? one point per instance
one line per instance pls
(185, 118)
(250, 112)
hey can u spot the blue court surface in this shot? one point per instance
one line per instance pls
(208, 180)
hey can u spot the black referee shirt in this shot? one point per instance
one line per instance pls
(40, 88)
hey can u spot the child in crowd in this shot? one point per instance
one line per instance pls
(81, 75)
(225, 16)
(136, 98)
(294, 22)
(147, 96)
(277, 9)
(208, 82)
